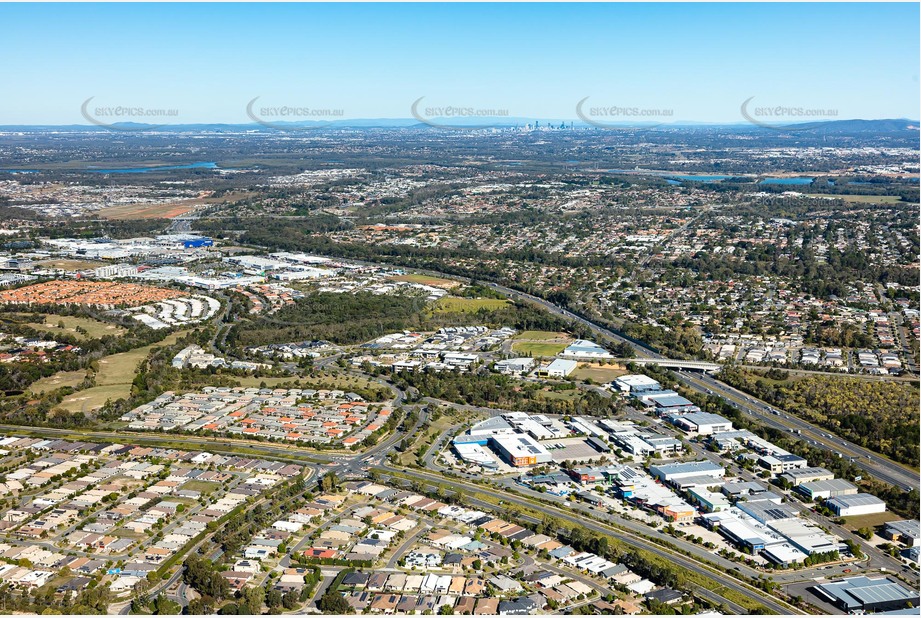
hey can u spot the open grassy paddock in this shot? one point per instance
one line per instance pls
(436, 282)
(453, 304)
(540, 343)
(113, 380)
(65, 264)
(205, 487)
(599, 373)
(341, 381)
(94, 328)
(869, 521)
(542, 335)
(58, 380)
(168, 210)
(537, 349)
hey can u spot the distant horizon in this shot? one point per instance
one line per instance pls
(217, 63)
(510, 123)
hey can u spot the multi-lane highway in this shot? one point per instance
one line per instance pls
(879, 466)
(882, 468)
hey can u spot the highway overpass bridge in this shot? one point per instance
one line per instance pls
(676, 364)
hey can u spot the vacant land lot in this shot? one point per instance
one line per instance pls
(543, 335)
(168, 210)
(58, 380)
(99, 293)
(599, 373)
(150, 211)
(869, 521)
(94, 329)
(540, 343)
(536, 349)
(452, 304)
(205, 487)
(65, 264)
(436, 282)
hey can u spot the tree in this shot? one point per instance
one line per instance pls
(333, 603)
(273, 599)
(329, 482)
(290, 600)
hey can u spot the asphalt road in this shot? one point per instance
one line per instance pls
(675, 557)
(882, 468)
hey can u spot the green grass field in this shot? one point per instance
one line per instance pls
(437, 282)
(542, 335)
(860, 199)
(453, 304)
(94, 398)
(540, 342)
(94, 328)
(536, 348)
(255, 382)
(58, 380)
(205, 487)
(571, 394)
(113, 380)
(869, 521)
(599, 373)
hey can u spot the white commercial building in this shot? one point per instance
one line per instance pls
(521, 450)
(515, 365)
(473, 453)
(856, 504)
(559, 368)
(703, 423)
(677, 471)
(635, 384)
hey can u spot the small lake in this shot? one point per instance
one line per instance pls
(201, 165)
(787, 181)
(697, 178)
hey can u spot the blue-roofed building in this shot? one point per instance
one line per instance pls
(561, 552)
(473, 546)
(668, 402)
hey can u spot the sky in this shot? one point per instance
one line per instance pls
(680, 62)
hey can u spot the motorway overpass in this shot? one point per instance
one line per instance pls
(676, 364)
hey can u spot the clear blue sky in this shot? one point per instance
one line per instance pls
(535, 60)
